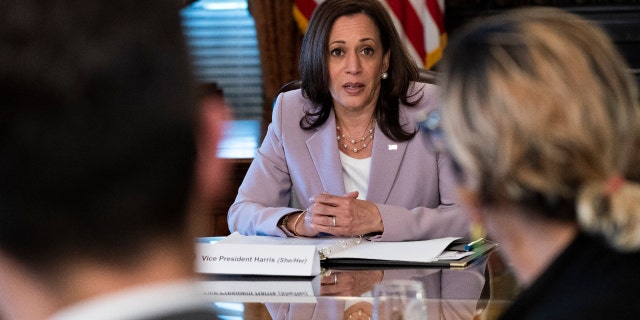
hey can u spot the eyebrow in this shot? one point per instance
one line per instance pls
(361, 40)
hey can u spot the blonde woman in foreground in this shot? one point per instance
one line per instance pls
(542, 116)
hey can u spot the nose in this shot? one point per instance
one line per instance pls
(353, 64)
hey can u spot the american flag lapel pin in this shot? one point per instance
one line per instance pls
(393, 147)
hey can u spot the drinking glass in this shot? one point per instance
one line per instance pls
(399, 300)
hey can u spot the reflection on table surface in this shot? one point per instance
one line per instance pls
(480, 291)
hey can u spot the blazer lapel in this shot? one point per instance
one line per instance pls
(386, 159)
(323, 148)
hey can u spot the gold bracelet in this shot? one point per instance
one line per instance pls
(295, 223)
(284, 220)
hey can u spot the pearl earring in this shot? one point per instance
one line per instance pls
(385, 75)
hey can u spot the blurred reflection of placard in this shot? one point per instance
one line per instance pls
(261, 289)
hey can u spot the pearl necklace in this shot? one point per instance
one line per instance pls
(355, 145)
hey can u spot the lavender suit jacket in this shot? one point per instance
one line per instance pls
(410, 182)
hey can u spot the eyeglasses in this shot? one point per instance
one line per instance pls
(431, 127)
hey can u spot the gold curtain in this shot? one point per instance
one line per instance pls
(279, 41)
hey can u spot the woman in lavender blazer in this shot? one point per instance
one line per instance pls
(341, 155)
(408, 181)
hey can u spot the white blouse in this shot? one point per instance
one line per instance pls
(355, 173)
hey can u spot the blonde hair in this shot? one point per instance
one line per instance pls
(540, 110)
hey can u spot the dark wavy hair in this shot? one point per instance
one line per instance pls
(97, 146)
(315, 75)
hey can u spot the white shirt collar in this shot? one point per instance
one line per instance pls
(139, 302)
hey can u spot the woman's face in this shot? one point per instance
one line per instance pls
(356, 62)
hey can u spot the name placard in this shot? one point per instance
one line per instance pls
(257, 259)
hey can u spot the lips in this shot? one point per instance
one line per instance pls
(353, 87)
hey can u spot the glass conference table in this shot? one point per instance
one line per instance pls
(480, 291)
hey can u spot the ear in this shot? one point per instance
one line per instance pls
(210, 170)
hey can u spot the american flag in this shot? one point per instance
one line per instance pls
(419, 22)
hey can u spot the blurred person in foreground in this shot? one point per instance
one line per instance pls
(97, 159)
(341, 156)
(541, 113)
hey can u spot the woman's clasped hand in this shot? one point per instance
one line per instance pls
(341, 216)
